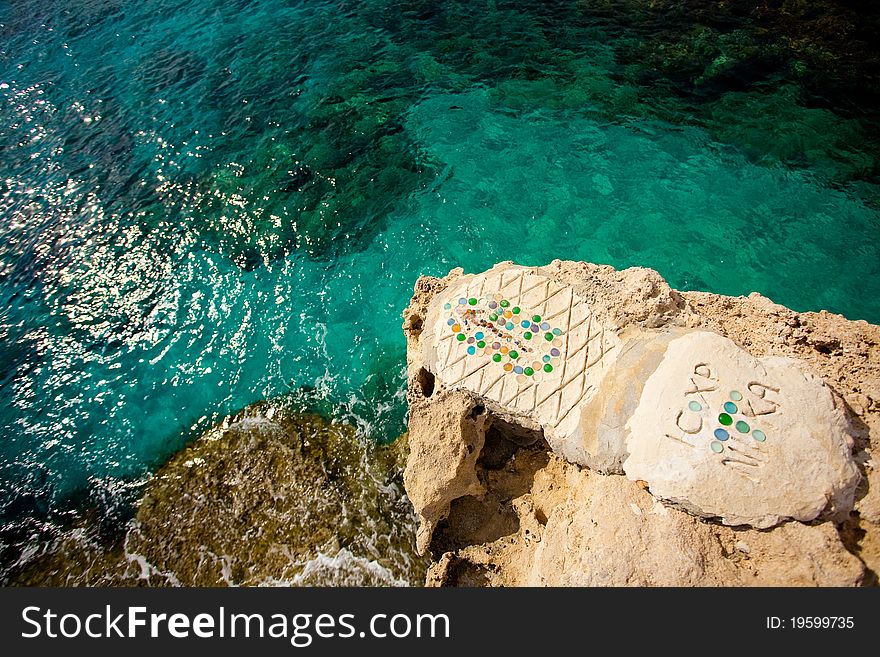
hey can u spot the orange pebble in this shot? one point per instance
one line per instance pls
(456, 328)
(508, 367)
(504, 350)
(508, 314)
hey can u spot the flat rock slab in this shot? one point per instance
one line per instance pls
(752, 441)
(524, 342)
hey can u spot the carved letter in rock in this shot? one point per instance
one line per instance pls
(723, 434)
(526, 343)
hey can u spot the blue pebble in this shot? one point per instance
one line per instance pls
(721, 434)
(517, 369)
(478, 335)
(524, 324)
(472, 350)
(450, 321)
(509, 326)
(545, 326)
(462, 301)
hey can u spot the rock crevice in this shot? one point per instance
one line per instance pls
(557, 411)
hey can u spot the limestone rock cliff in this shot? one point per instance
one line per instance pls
(577, 425)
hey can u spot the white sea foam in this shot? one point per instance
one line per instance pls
(340, 569)
(146, 569)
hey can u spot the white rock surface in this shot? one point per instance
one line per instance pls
(572, 525)
(526, 343)
(723, 434)
(599, 442)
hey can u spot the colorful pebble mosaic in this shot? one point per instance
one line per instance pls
(730, 425)
(525, 345)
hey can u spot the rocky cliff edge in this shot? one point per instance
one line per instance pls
(578, 425)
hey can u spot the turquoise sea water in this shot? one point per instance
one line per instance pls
(207, 203)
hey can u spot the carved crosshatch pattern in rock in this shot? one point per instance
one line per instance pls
(524, 344)
(669, 379)
(523, 340)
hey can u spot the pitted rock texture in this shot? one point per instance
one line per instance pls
(531, 511)
(443, 470)
(721, 433)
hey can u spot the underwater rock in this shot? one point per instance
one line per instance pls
(504, 499)
(267, 497)
(259, 498)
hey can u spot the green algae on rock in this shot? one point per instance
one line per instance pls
(266, 497)
(271, 497)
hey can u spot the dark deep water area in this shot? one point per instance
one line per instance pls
(206, 203)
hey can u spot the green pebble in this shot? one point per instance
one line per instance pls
(513, 355)
(528, 371)
(461, 337)
(536, 318)
(472, 301)
(736, 395)
(505, 303)
(481, 344)
(716, 446)
(527, 335)
(493, 317)
(742, 427)
(548, 367)
(497, 358)
(725, 419)
(758, 435)
(515, 310)
(695, 406)
(548, 337)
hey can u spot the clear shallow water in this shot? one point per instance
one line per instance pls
(209, 203)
